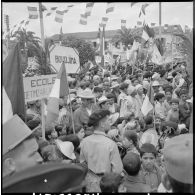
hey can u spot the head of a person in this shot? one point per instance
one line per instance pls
(23, 156)
(130, 139)
(175, 104)
(139, 89)
(168, 94)
(135, 81)
(112, 182)
(160, 97)
(104, 103)
(98, 91)
(111, 98)
(178, 161)
(132, 163)
(148, 156)
(100, 120)
(132, 91)
(183, 94)
(123, 87)
(156, 86)
(149, 120)
(87, 102)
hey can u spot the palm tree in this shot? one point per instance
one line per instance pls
(126, 36)
(30, 47)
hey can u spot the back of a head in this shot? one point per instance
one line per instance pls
(72, 138)
(110, 182)
(131, 135)
(148, 120)
(132, 163)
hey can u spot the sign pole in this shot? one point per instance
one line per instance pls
(43, 45)
(43, 118)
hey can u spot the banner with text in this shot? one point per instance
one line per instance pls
(69, 55)
(38, 87)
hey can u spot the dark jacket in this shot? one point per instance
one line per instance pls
(136, 184)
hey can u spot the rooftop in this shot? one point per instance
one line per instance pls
(110, 33)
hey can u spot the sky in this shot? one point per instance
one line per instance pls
(173, 13)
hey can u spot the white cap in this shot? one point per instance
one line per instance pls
(155, 83)
(155, 76)
(66, 148)
(102, 99)
(138, 86)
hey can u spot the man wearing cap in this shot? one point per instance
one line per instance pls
(81, 115)
(178, 162)
(103, 103)
(19, 147)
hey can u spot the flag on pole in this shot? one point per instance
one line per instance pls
(89, 7)
(123, 23)
(43, 8)
(22, 22)
(13, 89)
(135, 46)
(153, 24)
(27, 22)
(132, 4)
(110, 7)
(52, 9)
(33, 13)
(83, 19)
(59, 16)
(156, 56)
(166, 27)
(145, 35)
(143, 8)
(59, 90)
(104, 21)
(139, 23)
(148, 102)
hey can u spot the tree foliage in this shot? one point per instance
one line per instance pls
(85, 49)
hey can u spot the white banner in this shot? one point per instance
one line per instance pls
(69, 55)
(38, 87)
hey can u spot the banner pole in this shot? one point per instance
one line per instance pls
(43, 118)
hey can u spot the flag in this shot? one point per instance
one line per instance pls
(104, 21)
(123, 23)
(69, 6)
(175, 27)
(139, 23)
(135, 46)
(145, 35)
(156, 56)
(147, 105)
(149, 31)
(59, 90)
(59, 16)
(22, 22)
(89, 7)
(13, 84)
(52, 9)
(144, 8)
(110, 7)
(27, 22)
(153, 24)
(33, 13)
(166, 27)
(132, 4)
(83, 19)
(43, 8)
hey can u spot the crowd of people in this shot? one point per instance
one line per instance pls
(102, 126)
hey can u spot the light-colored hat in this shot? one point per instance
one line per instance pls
(131, 89)
(103, 99)
(113, 118)
(86, 94)
(138, 86)
(114, 77)
(146, 84)
(67, 148)
(155, 83)
(96, 77)
(128, 81)
(14, 132)
(149, 136)
(155, 76)
(114, 85)
(178, 156)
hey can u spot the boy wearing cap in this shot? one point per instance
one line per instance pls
(178, 160)
(151, 173)
(173, 113)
